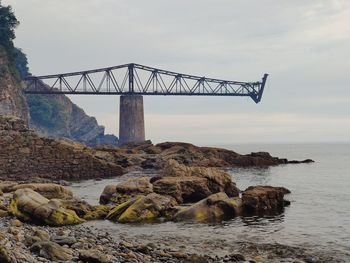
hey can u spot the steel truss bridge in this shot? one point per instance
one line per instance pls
(135, 79)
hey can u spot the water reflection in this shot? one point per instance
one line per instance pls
(245, 176)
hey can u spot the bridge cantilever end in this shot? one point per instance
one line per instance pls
(262, 87)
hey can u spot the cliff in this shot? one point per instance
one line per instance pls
(58, 117)
(12, 101)
(53, 116)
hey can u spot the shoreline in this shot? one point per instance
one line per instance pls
(88, 242)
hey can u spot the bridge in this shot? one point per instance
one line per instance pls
(132, 81)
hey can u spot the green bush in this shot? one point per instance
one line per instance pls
(46, 111)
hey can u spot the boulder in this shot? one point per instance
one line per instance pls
(94, 256)
(51, 251)
(214, 208)
(5, 256)
(49, 191)
(191, 184)
(122, 192)
(30, 206)
(3, 213)
(85, 210)
(183, 189)
(264, 199)
(64, 240)
(143, 209)
(6, 186)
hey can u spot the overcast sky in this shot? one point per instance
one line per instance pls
(303, 44)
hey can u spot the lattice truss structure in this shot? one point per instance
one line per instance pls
(141, 80)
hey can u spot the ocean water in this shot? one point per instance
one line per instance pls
(318, 219)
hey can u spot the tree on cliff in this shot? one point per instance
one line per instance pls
(8, 23)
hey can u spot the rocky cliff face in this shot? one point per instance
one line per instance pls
(12, 101)
(66, 120)
(53, 116)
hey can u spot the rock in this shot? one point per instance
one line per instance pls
(122, 192)
(98, 212)
(304, 161)
(51, 251)
(264, 199)
(85, 210)
(3, 213)
(5, 256)
(30, 206)
(107, 194)
(183, 189)
(237, 258)
(196, 259)
(143, 209)
(6, 186)
(190, 154)
(15, 223)
(12, 100)
(62, 240)
(49, 191)
(216, 207)
(93, 256)
(41, 234)
(191, 184)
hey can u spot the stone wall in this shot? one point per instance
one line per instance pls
(24, 154)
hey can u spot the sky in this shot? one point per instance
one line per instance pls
(303, 44)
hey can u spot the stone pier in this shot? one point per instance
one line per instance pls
(131, 119)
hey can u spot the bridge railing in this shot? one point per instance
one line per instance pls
(142, 80)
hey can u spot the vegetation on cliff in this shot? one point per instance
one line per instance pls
(46, 111)
(8, 24)
(17, 59)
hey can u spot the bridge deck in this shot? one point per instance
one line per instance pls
(141, 80)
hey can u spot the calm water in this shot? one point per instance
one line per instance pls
(318, 218)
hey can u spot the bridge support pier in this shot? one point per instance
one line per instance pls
(131, 119)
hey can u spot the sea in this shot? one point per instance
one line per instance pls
(317, 221)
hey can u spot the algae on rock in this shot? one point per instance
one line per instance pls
(30, 206)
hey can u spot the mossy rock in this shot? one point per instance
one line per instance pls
(118, 210)
(123, 192)
(98, 212)
(29, 206)
(3, 213)
(142, 209)
(4, 256)
(85, 210)
(215, 208)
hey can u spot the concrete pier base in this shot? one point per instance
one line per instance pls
(131, 119)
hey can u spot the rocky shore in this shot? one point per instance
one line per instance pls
(42, 221)
(25, 243)
(25, 156)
